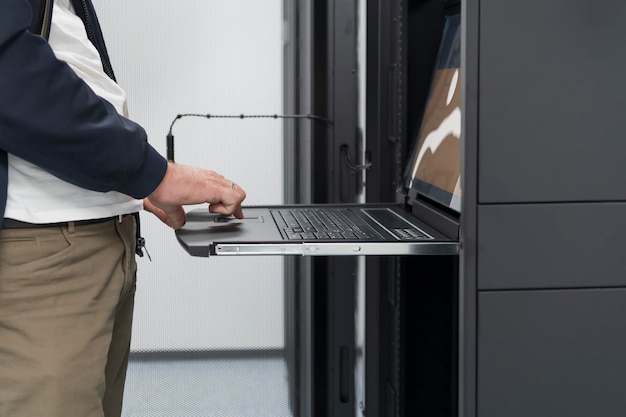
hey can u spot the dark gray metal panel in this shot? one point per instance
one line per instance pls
(343, 98)
(430, 340)
(552, 353)
(341, 304)
(551, 245)
(468, 228)
(552, 96)
(298, 98)
(385, 101)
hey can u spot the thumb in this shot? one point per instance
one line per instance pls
(176, 216)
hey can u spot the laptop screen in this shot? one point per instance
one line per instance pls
(434, 169)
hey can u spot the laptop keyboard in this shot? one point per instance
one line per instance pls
(326, 224)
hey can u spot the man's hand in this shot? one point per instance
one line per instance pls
(183, 185)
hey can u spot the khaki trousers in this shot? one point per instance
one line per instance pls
(66, 304)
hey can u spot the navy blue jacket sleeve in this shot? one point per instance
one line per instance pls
(50, 117)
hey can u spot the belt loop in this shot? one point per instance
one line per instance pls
(71, 227)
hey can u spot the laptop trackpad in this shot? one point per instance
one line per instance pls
(234, 220)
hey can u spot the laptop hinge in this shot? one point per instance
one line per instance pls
(435, 217)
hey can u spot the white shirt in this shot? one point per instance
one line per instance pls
(36, 196)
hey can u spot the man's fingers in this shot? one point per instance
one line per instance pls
(188, 185)
(238, 213)
(176, 216)
(160, 214)
(220, 208)
(230, 203)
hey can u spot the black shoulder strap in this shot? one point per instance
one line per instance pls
(42, 10)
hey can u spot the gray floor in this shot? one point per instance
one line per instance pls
(227, 387)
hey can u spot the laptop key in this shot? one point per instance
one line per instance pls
(315, 224)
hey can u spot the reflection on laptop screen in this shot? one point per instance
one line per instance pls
(435, 166)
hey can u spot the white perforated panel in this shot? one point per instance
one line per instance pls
(217, 57)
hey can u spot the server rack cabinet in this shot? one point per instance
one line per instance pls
(403, 375)
(542, 269)
(541, 290)
(322, 62)
(411, 317)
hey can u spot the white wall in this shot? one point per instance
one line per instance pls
(218, 57)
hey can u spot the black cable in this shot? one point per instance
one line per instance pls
(354, 167)
(170, 136)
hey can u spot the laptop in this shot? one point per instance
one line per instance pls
(426, 223)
